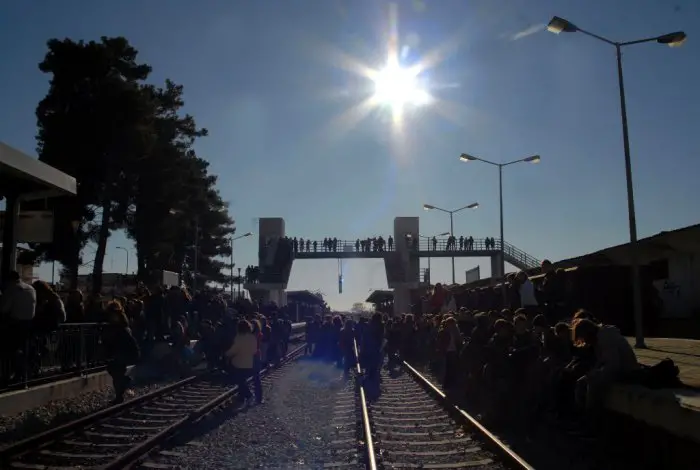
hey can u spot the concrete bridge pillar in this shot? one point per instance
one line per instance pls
(402, 300)
(496, 266)
(404, 247)
(273, 278)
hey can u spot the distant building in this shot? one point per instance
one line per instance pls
(112, 283)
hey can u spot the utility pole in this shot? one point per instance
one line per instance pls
(239, 282)
(196, 254)
(231, 266)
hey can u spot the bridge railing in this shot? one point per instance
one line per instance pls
(440, 244)
(317, 246)
(520, 256)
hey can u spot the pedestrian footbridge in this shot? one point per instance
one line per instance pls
(426, 248)
(401, 253)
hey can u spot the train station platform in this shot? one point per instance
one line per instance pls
(676, 411)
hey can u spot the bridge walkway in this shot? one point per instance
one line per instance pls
(424, 248)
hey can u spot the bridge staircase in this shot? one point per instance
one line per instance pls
(518, 257)
(278, 258)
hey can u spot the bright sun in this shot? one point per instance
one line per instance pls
(397, 86)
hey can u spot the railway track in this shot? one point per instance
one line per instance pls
(348, 447)
(117, 437)
(414, 426)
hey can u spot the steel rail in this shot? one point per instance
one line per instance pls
(499, 446)
(50, 436)
(371, 461)
(135, 453)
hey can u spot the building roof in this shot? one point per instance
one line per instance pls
(304, 296)
(650, 248)
(32, 178)
(380, 296)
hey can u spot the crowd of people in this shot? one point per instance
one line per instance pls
(463, 243)
(252, 274)
(66, 331)
(559, 360)
(333, 338)
(381, 244)
(242, 345)
(538, 359)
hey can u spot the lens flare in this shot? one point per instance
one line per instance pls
(397, 86)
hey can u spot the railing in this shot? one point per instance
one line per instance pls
(355, 246)
(69, 351)
(441, 244)
(519, 258)
(513, 255)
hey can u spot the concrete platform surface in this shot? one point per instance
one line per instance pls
(684, 352)
(677, 411)
(15, 402)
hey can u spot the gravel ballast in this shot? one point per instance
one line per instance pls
(294, 428)
(31, 422)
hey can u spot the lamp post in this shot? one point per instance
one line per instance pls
(470, 158)
(428, 237)
(429, 207)
(233, 239)
(558, 25)
(126, 252)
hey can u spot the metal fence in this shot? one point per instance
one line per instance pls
(71, 350)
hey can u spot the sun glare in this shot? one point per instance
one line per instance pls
(397, 86)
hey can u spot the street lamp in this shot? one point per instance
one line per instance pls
(126, 252)
(233, 239)
(429, 207)
(532, 159)
(558, 25)
(428, 237)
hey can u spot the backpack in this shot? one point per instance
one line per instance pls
(661, 375)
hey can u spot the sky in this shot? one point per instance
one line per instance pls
(277, 85)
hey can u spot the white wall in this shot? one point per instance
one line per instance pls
(680, 293)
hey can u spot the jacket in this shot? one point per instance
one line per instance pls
(243, 350)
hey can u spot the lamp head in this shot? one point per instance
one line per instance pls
(427, 207)
(533, 159)
(672, 39)
(474, 205)
(467, 158)
(560, 25)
